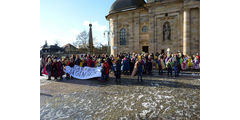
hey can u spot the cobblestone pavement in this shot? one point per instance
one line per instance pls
(157, 98)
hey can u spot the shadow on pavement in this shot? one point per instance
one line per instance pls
(48, 95)
(133, 81)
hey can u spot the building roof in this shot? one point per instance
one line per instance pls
(69, 45)
(124, 5)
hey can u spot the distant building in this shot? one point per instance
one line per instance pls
(66, 50)
(69, 48)
(51, 49)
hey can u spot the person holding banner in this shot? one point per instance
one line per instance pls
(71, 64)
(84, 63)
(78, 61)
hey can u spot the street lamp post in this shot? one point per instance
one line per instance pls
(108, 35)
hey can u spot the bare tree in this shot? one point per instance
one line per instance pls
(81, 40)
(57, 42)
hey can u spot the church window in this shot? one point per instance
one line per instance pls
(123, 36)
(144, 29)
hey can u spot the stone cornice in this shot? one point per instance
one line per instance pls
(164, 2)
(133, 10)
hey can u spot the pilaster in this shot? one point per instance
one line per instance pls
(186, 31)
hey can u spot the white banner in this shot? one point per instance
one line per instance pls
(83, 72)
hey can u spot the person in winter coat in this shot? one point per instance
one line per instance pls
(77, 61)
(149, 65)
(190, 64)
(89, 62)
(126, 66)
(196, 63)
(84, 63)
(175, 65)
(117, 70)
(49, 68)
(71, 64)
(105, 70)
(109, 60)
(42, 64)
(160, 68)
(131, 64)
(169, 67)
(140, 64)
(60, 69)
(54, 69)
(185, 62)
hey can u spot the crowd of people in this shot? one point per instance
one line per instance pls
(127, 64)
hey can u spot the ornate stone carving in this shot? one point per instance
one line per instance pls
(166, 31)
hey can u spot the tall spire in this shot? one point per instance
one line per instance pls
(90, 39)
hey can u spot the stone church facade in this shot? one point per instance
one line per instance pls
(154, 26)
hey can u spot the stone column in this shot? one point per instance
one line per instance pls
(90, 40)
(186, 31)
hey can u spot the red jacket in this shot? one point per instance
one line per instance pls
(106, 65)
(89, 62)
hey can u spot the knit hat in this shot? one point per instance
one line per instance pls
(139, 57)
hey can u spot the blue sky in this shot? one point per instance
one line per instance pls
(62, 20)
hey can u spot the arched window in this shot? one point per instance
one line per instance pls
(144, 29)
(123, 36)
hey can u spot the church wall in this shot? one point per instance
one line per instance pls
(174, 18)
(123, 22)
(144, 36)
(195, 31)
(154, 16)
(132, 21)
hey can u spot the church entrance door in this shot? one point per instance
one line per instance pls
(145, 49)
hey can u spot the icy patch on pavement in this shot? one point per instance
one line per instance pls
(139, 97)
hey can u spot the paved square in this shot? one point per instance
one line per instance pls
(158, 97)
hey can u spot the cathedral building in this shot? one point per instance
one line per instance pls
(155, 26)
